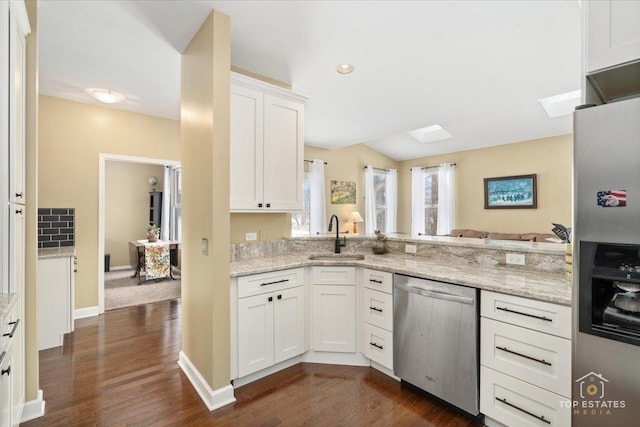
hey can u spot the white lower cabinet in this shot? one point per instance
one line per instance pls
(525, 358)
(376, 313)
(270, 328)
(11, 368)
(55, 300)
(378, 345)
(333, 308)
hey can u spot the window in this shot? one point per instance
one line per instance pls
(380, 196)
(431, 202)
(301, 221)
(176, 205)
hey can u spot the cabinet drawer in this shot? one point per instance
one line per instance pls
(516, 403)
(378, 309)
(257, 284)
(541, 316)
(540, 359)
(378, 345)
(379, 280)
(333, 276)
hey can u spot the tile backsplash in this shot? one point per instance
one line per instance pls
(56, 227)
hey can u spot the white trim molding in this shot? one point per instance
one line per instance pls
(81, 313)
(33, 408)
(214, 399)
(102, 159)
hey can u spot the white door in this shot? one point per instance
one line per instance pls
(283, 153)
(255, 333)
(16, 111)
(246, 151)
(289, 323)
(334, 318)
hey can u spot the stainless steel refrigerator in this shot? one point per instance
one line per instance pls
(606, 298)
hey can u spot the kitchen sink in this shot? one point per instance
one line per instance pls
(336, 257)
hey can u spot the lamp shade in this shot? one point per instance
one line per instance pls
(356, 217)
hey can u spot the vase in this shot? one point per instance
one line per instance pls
(379, 248)
(152, 237)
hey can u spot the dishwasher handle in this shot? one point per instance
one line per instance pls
(435, 294)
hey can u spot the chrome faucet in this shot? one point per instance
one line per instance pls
(337, 243)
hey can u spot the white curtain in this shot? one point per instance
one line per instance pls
(165, 221)
(392, 201)
(369, 201)
(446, 199)
(317, 202)
(417, 200)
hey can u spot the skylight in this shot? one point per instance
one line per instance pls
(430, 134)
(561, 105)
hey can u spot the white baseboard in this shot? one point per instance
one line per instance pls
(120, 267)
(81, 313)
(214, 399)
(34, 408)
(239, 382)
(388, 372)
(352, 359)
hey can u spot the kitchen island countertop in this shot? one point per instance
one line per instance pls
(61, 252)
(551, 287)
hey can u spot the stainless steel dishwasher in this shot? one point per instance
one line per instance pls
(435, 339)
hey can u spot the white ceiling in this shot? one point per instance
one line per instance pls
(477, 68)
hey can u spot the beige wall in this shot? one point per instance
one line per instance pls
(268, 226)
(347, 164)
(31, 219)
(549, 158)
(127, 206)
(71, 137)
(205, 172)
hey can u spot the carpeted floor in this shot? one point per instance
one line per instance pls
(120, 290)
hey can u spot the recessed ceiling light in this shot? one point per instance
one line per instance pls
(561, 105)
(430, 134)
(345, 68)
(106, 96)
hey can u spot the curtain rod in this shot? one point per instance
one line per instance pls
(378, 169)
(309, 161)
(431, 167)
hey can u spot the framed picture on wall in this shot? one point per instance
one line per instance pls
(510, 192)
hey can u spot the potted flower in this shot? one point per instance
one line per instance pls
(379, 247)
(153, 231)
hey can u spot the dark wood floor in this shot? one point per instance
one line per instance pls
(120, 369)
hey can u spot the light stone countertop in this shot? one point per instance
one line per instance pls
(61, 252)
(6, 304)
(551, 287)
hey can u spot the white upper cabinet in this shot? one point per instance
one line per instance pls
(267, 147)
(613, 33)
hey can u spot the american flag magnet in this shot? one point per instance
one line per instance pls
(612, 198)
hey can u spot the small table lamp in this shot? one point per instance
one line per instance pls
(356, 218)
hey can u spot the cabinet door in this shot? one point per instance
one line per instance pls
(288, 323)
(5, 388)
(246, 157)
(283, 153)
(334, 318)
(16, 110)
(255, 333)
(16, 248)
(17, 364)
(54, 287)
(613, 33)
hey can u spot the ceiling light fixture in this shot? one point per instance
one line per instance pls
(106, 96)
(430, 134)
(345, 68)
(561, 105)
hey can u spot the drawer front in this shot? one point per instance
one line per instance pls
(378, 309)
(333, 276)
(257, 284)
(516, 403)
(378, 345)
(540, 359)
(541, 316)
(379, 280)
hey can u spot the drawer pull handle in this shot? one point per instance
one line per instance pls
(538, 417)
(376, 281)
(379, 310)
(544, 362)
(13, 330)
(508, 310)
(7, 371)
(270, 299)
(273, 283)
(377, 346)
